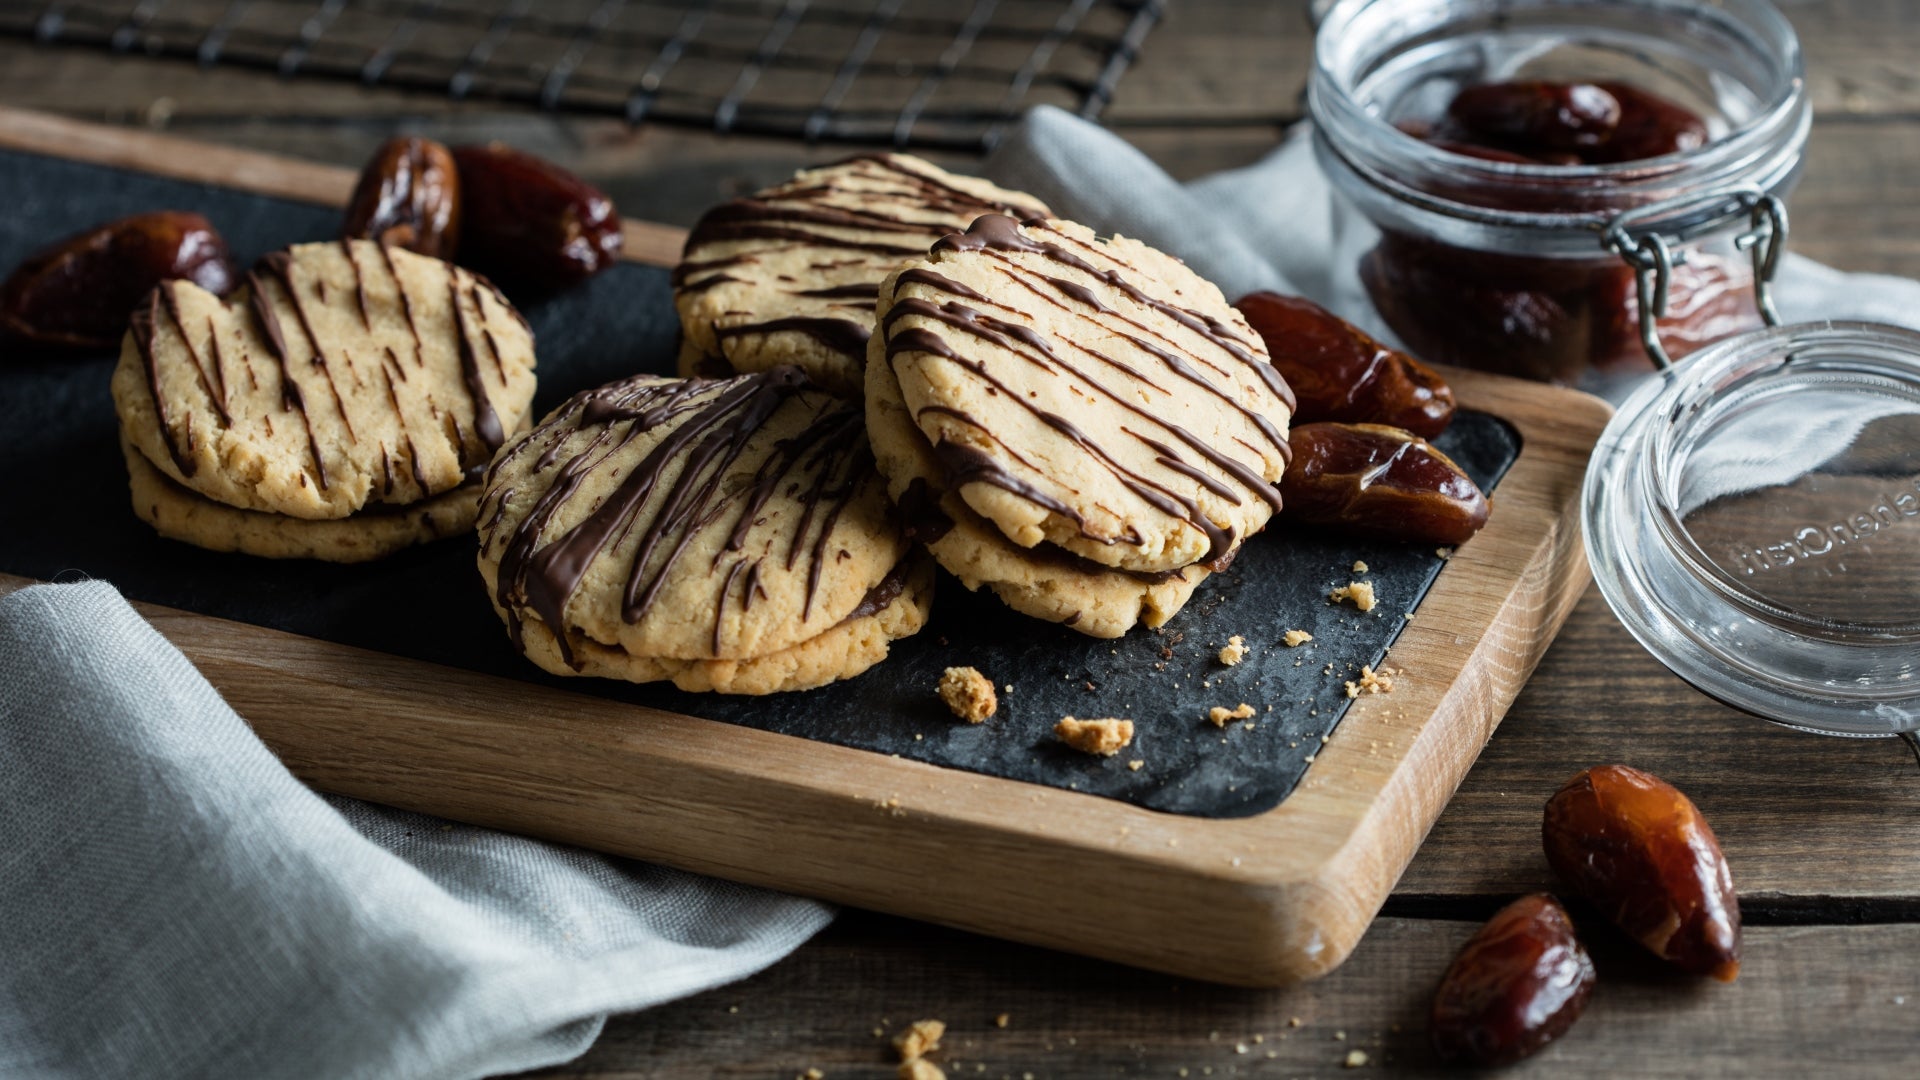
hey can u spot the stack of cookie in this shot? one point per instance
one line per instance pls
(730, 535)
(1085, 427)
(340, 406)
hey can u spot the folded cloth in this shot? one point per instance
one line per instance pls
(1269, 225)
(174, 903)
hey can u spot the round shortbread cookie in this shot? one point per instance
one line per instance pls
(374, 533)
(343, 375)
(677, 522)
(1095, 395)
(1044, 581)
(789, 275)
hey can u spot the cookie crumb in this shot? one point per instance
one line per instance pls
(921, 1069)
(1444, 552)
(1359, 592)
(1104, 737)
(1001, 1020)
(1220, 714)
(1356, 1058)
(1359, 567)
(813, 1074)
(1135, 765)
(1296, 638)
(1371, 682)
(968, 694)
(920, 1037)
(1235, 651)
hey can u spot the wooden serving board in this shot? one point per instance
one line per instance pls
(1265, 899)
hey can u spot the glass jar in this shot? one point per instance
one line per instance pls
(1753, 516)
(1503, 266)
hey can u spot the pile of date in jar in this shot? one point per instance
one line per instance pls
(1543, 318)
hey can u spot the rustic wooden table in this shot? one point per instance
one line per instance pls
(1821, 833)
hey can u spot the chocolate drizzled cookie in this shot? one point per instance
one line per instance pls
(729, 535)
(1086, 426)
(789, 275)
(345, 379)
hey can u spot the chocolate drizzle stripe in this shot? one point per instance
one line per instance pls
(713, 282)
(291, 399)
(865, 290)
(841, 335)
(144, 325)
(219, 369)
(486, 423)
(486, 331)
(883, 593)
(359, 285)
(406, 305)
(170, 303)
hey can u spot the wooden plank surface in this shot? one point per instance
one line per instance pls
(1811, 1001)
(1820, 831)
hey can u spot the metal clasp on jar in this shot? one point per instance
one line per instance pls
(1646, 238)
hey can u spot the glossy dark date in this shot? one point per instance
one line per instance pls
(409, 197)
(1562, 123)
(1639, 850)
(1518, 984)
(1379, 481)
(530, 224)
(1339, 372)
(79, 293)
(1650, 126)
(1547, 319)
(1536, 115)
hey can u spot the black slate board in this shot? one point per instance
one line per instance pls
(66, 515)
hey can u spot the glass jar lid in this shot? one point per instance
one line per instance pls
(1752, 515)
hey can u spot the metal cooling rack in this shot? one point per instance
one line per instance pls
(929, 73)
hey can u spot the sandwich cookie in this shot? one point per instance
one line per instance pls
(789, 275)
(332, 408)
(728, 535)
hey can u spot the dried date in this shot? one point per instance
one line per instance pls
(80, 291)
(1518, 984)
(1341, 373)
(408, 197)
(1639, 850)
(1379, 481)
(1530, 117)
(531, 224)
(1650, 126)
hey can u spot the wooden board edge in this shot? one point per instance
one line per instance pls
(172, 156)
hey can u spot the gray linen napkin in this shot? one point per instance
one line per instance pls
(173, 903)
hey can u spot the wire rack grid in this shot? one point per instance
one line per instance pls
(948, 74)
